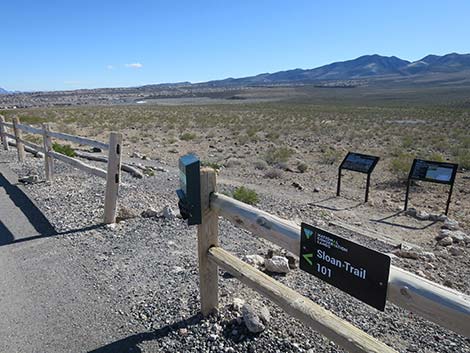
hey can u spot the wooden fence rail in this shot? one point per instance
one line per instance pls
(114, 147)
(437, 303)
(430, 300)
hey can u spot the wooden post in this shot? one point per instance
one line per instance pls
(2, 134)
(18, 136)
(208, 236)
(113, 177)
(48, 160)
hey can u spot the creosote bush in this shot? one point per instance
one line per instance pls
(64, 149)
(188, 136)
(246, 195)
(400, 165)
(278, 155)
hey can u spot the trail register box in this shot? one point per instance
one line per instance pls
(355, 269)
(190, 193)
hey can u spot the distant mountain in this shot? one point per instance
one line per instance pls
(367, 66)
(3, 91)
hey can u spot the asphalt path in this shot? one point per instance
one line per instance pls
(48, 301)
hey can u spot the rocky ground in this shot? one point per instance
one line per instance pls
(147, 266)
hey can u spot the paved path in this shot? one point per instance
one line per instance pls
(48, 301)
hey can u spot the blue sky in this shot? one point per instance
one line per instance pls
(70, 44)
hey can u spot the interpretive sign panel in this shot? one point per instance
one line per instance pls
(357, 162)
(434, 172)
(355, 269)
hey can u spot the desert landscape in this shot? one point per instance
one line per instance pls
(275, 146)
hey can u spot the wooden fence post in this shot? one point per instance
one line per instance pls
(113, 177)
(48, 160)
(2, 134)
(18, 136)
(208, 236)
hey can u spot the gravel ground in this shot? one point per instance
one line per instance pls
(148, 268)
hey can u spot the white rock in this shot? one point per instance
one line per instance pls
(422, 215)
(277, 264)
(428, 255)
(443, 233)
(168, 213)
(458, 236)
(254, 260)
(237, 304)
(451, 224)
(255, 317)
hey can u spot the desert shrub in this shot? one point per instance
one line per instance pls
(302, 167)
(273, 173)
(463, 159)
(272, 135)
(407, 141)
(261, 165)
(401, 164)
(278, 155)
(233, 162)
(330, 156)
(187, 136)
(243, 139)
(34, 139)
(246, 195)
(436, 156)
(63, 149)
(213, 165)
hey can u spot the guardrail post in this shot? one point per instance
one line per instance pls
(2, 134)
(113, 177)
(208, 236)
(48, 160)
(18, 136)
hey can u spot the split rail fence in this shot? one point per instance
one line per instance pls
(111, 175)
(430, 300)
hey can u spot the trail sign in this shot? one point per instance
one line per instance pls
(434, 172)
(190, 193)
(357, 162)
(353, 268)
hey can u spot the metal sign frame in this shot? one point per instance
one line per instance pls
(350, 267)
(412, 176)
(344, 165)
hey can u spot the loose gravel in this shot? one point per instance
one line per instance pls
(147, 267)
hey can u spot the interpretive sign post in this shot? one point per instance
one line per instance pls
(190, 193)
(434, 172)
(355, 269)
(357, 162)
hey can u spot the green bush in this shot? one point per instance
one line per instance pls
(188, 136)
(302, 167)
(278, 155)
(463, 159)
(213, 165)
(330, 156)
(401, 164)
(246, 195)
(64, 149)
(437, 157)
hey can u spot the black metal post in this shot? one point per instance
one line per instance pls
(367, 187)
(448, 199)
(407, 193)
(338, 188)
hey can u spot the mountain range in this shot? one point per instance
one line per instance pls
(364, 67)
(3, 91)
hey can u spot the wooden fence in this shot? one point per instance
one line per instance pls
(432, 301)
(114, 147)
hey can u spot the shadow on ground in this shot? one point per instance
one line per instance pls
(130, 344)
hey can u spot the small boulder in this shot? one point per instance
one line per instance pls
(443, 233)
(237, 304)
(445, 241)
(30, 179)
(254, 260)
(422, 215)
(168, 213)
(255, 317)
(125, 213)
(149, 213)
(458, 236)
(451, 224)
(455, 251)
(277, 264)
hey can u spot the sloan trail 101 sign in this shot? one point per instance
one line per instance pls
(355, 269)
